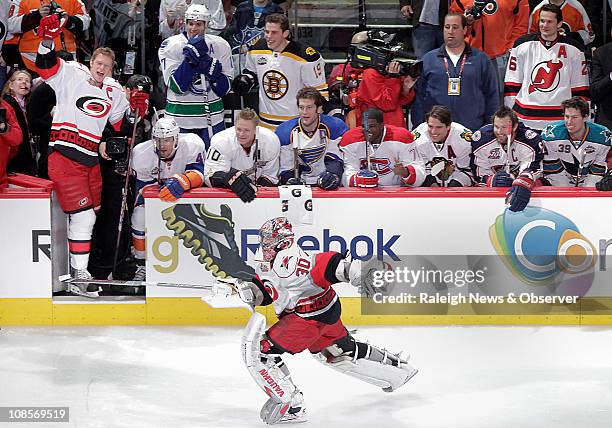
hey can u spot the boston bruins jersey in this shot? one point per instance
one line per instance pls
(396, 146)
(260, 161)
(189, 108)
(540, 75)
(280, 75)
(456, 150)
(489, 156)
(314, 151)
(568, 162)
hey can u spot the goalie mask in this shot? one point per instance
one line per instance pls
(165, 137)
(275, 235)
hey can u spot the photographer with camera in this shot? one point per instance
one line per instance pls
(493, 27)
(74, 22)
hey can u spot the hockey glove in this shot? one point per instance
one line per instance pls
(241, 185)
(50, 27)
(295, 182)
(195, 50)
(519, 194)
(139, 102)
(328, 181)
(500, 179)
(365, 179)
(178, 184)
(210, 67)
(242, 84)
(605, 184)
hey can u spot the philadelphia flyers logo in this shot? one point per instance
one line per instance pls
(545, 76)
(490, 7)
(275, 84)
(93, 107)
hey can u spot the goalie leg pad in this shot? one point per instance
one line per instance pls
(367, 363)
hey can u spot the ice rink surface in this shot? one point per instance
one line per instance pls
(194, 377)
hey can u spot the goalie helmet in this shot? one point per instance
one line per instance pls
(165, 128)
(198, 12)
(275, 235)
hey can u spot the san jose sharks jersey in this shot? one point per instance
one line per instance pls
(396, 146)
(575, 163)
(260, 161)
(313, 151)
(542, 74)
(456, 149)
(489, 156)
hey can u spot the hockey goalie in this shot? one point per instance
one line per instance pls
(299, 286)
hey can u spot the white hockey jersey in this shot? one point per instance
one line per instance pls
(261, 161)
(280, 75)
(456, 149)
(82, 110)
(540, 75)
(189, 108)
(396, 146)
(489, 156)
(575, 163)
(313, 151)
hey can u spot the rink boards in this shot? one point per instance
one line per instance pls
(184, 240)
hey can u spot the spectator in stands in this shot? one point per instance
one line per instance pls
(494, 29)
(16, 93)
(10, 137)
(427, 22)
(576, 22)
(601, 85)
(172, 16)
(458, 76)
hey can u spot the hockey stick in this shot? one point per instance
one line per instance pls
(116, 282)
(296, 153)
(204, 83)
(582, 156)
(366, 131)
(508, 151)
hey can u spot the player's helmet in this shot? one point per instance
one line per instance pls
(275, 235)
(138, 81)
(165, 127)
(199, 12)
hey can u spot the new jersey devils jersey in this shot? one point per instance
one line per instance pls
(490, 156)
(261, 160)
(456, 149)
(280, 76)
(396, 146)
(313, 150)
(568, 162)
(542, 74)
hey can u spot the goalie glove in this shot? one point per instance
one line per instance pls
(364, 179)
(178, 184)
(519, 194)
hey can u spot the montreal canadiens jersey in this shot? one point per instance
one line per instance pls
(456, 149)
(189, 108)
(575, 20)
(280, 75)
(490, 156)
(396, 146)
(540, 75)
(82, 110)
(261, 161)
(295, 282)
(568, 162)
(313, 151)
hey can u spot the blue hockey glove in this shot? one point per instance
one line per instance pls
(328, 181)
(501, 179)
(519, 194)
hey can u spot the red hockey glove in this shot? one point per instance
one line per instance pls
(365, 178)
(50, 27)
(139, 101)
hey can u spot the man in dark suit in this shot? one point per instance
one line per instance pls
(427, 17)
(601, 86)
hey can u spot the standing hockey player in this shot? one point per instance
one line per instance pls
(86, 101)
(281, 67)
(444, 147)
(299, 286)
(171, 160)
(516, 163)
(380, 155)
(243, 157)
(543, 70)
(575, 149)
(197, 70)
(311, 141)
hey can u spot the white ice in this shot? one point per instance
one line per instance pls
(194, 377)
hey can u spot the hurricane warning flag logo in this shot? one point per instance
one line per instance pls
(540, 247)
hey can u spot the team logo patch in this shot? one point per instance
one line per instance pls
(275, 84)
(83, 201)
(490, 7)
(476, 136)
(416, 135)
(262, 60)
(530, 134)
(93, 106)
(310, 51)
(466, 135)
(495, 154)
(545, 76)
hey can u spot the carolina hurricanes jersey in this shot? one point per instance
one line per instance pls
(296, 282)
(456, 149)
(82, 110)
(396, 146)
(313, 151)
(490, 156)
(260, 161)
(542, 74)
(189, 108)
(280, 76)
(568, 162)
(575, 20)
